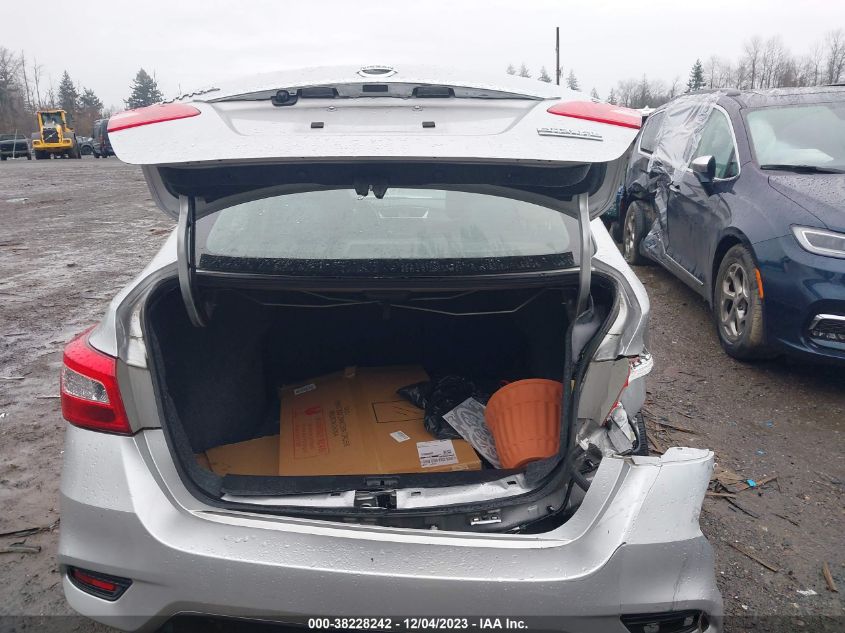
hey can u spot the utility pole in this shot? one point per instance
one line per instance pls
(557, 55)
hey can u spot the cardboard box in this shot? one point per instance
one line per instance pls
(354, 423)
(253, 457)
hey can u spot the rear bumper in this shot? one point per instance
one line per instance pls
(633, 547)
(798, 286)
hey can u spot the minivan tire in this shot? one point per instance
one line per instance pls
(738, 308)
(616, 231)
(633, 231)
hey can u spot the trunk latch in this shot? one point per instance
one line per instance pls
(375, 499)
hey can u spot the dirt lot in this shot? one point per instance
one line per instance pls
(73, 232)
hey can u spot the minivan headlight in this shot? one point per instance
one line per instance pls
(820, 241)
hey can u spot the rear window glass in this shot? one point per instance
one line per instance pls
(649, 133)
(407, 224)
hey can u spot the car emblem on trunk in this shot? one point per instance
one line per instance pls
(563, 131)
(377, 71)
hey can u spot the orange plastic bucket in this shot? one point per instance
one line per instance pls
(524, 418)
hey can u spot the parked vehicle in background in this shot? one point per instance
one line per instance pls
(101, 145)
(86, 145)
(311, 238)
(753, 218)
(14, 146)
(55, 137)
(610, 217)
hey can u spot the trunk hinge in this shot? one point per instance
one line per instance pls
(584, 278)
(584, 324)
(185, 260)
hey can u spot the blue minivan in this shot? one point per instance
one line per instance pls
(741, 195)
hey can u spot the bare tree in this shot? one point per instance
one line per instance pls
(835, 62)
(813, 64)
(37, 72)
(726, 74)
(674, 88)
(762, 64)
(643, 93)
(790, 73)
(773, 63)
(12, 109)
(625, 91)
(50, 99)
(711, 70)
(753, 50)
(658, 91)
(740, 76)
(30, 104)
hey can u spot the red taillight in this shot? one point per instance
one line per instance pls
(598, 112)
(151, 114)
(88, 579)
(90, 396)
(101, 585)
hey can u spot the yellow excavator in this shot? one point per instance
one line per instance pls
(54, 136)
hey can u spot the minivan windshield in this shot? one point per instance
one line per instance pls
(801, 136)
(406, 224)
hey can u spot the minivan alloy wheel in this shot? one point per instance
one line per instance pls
(733, 302)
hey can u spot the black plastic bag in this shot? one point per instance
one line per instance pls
(439, 397)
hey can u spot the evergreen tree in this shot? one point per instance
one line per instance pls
(511, 70)
(544, 75)
(611, 98)
(571, 80)
(90, 102)
(595, 94)
(68, 96)
(90, 109)
(696, 77)
(144, 91)
(523, 70)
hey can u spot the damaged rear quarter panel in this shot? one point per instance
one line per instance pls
(643, 500)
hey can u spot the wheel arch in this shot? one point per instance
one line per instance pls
(730, 238)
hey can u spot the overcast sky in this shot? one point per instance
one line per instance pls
(192, 43)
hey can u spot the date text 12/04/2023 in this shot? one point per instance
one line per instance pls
(419, 623)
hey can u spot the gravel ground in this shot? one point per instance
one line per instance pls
(73, 232)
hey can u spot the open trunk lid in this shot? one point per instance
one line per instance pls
(372, 129)
(501, 131)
